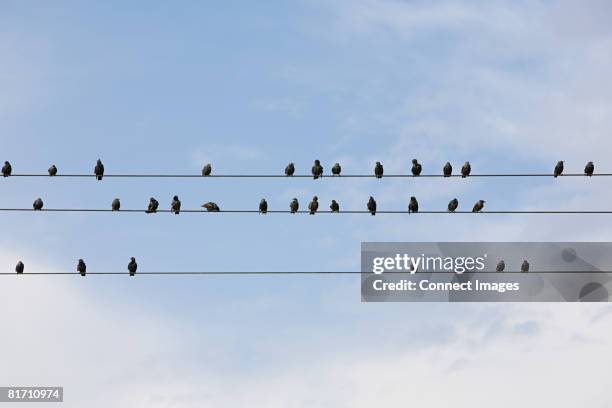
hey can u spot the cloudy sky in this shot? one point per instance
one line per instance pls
(160, 87)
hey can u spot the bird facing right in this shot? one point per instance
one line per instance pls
(478, 206)
(52, 170)
(334, 207)
(314, 205)
(294, 206)
(207, 170)
(290, 170)
(453, 204)
(558, 169)
(501, 265)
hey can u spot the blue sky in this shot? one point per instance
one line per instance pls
(159, 87)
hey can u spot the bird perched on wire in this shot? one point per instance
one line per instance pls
(153, 206)
(81, 267)
(378, 170)
(336, 170)
(453, 204)
(447, 170)
(294, 206)
(589, 169)
(501, 265)
(317, 170)
(334, 206)
(413, 205)
(99, 170)
(478, 206)
(38, 204)
(52, 170)
(290, 170)
(175, 205)
(525, 266)
(314, 205)
(132, 266)
(372, 205)
(211, 207)
(416, 168)
(466, 169)
(7, 169)
(20, 267)
(207, 169)
(116, 205)
(558, 169)
(263, 206)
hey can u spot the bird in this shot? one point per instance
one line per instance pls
(416, 168)
(466, 169)
(290, 170)
(7, 169)
(294, 206)
(589, 169)
(453, 204)
(263, 206)
(211, 207)
(38, 204)
(116, 205)
(175, 205)
(317, 170)
(525, 266)
(52, 170)
(314, 205)
(81, 267)
(337, 169)
(478, 206)
(372, 205)
(207, 169)
(99, 170)
(558, 169)
(132, 266)
(501, 265)
(413, 205)
(447, 170)
(378, 170)
(153, 205)
(334, 207)
(19, 268)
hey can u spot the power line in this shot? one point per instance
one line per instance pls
(295, 273)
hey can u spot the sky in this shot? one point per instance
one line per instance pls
(158, 87)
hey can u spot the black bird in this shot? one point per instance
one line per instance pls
(478, 206)
(337, 169)
(501, 265)
(263, 206)
(589, 169)
(211, 207)
(558, 169)
(99, 170)
(334, 207)
(38, 204)
(314, 205)
(116, 205)
(525, 266)
(153, 205)
(416, 168)
(290, 170)
(81, 267)
(413, 205)
(447, 170)
(372, 205)
(19, 268)
(453, 204)
(175, 205)
(294, 206)
(52, 170)
(132, 266)
(317, 170)
(7, 169)
(466, 169)
(207, 169)
(378, 170)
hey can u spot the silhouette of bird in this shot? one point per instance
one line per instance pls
(416, 168)
(132, 266)
(337, 169)
(314, 205)
(317, 170)
(558, 169)
(372, 205)
(153, 205)
(413, 205)
(38, 204)
(116, 205)
(589, 169)
(81, 267)
(334, 207)
(378, 170)
(466, 169)
(453, 204)
(99, 170)
(207, 169)
(7, 169)
(211, 207)
(294, 206)
(525, 266)
(175, 205)
(20, 267)
(290, 170)
(447, 170)
(478, 206)
(263, 206)
(52, 170)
